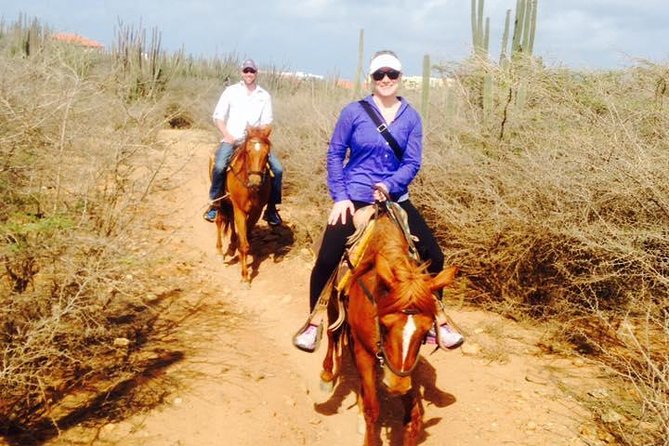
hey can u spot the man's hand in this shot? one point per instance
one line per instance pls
(339, 210)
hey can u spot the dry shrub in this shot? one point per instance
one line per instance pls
(564, 218)
(84, 316)
(303, 124)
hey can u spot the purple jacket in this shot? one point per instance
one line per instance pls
(371, 159)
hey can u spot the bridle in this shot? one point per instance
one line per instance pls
(380, 353)
(258, 144)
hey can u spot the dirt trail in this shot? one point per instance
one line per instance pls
(251, 386)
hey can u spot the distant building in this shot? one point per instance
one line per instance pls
(345, 83)
(76, 39)
(301, 75)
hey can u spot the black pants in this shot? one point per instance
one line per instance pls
(334, 243)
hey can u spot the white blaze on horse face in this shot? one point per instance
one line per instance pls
(257, 147)
(407, 333)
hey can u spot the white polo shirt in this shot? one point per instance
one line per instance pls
(237, 108)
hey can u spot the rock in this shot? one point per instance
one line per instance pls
(611, 416)
(121, 342)
(536, 378)
(599, 394)
(470, 348)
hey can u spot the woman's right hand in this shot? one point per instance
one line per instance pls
(339, 210)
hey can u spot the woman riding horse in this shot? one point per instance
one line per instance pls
(376, 144)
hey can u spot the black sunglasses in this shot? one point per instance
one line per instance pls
(248, 70)
(379, 74)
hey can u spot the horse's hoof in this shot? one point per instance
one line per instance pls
(246, 284)
(327, 386)
(362, 425)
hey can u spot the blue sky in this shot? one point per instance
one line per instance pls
(321, 36)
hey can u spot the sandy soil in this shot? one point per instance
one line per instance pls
(248, 385)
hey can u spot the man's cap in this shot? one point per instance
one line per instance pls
(249, 63)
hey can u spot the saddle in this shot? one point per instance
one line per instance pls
(363, 220)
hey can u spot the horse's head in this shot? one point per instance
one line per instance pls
(396, 292)
(406, 313)
(256, 149)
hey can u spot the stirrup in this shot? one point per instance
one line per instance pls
(311, 347)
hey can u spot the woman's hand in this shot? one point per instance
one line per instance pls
(339, 210)
(378, 195)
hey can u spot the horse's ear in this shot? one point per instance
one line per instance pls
(444, 278)
(266, 130)
(385, 270)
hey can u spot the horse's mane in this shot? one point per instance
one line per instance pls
(409, 286)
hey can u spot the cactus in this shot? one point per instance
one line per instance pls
(425, 91)
(450, 100)
(358, 71)
(480, 34)
(481, 40)
(525, 26)
(503, 56)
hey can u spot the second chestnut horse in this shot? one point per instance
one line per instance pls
(247, 191)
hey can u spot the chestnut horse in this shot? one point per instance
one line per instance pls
(389, 307)
(247, 192)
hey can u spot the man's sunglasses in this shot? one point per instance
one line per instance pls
(248, 70)
(379, 74)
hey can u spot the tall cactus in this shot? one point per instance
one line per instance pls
(357, 86)
(525, 26)
(481, 41)
(503, 55)
(480, 33)
(425, 91)
(526, 19)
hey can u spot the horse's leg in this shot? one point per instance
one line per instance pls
(333, 359)
(413, 417)
(219, 231)
(233, 243)
(368, 401)
(240, 225)
(331, 362)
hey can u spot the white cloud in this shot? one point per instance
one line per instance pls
(322, 35)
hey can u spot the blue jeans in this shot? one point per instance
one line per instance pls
(221, 162)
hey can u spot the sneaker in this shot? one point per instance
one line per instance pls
(308, 338)
(448, 339)
(272, 217)
(210, 215)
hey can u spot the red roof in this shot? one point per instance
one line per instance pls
(77, 40)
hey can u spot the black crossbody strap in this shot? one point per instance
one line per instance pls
(382, 128)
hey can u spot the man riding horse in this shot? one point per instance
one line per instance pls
(240, 105)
